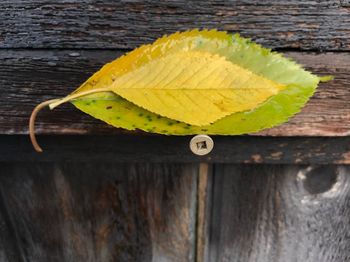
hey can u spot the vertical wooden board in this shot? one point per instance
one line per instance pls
(203, 209)
(8, 249)
(97, 212)
(279, 214)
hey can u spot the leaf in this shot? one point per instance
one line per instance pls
(299, 86)
(197, 88)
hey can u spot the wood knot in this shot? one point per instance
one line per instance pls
(320, 179)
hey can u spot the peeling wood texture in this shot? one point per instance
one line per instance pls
(29, 77)
(48, 48)
(98, 193)
(317, 25)
(100, 212)
(279, 214)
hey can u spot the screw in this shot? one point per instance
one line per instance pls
(201, 145)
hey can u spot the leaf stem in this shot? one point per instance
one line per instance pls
(52, 104)
(32, 123)
(77, 95)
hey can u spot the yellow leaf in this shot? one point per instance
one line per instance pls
(182, 84)
(142, 55)
(194, 87)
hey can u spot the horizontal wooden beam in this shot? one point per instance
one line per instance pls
(158, 148)
(28, 77)
(316, 25)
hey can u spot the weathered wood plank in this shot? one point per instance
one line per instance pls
(98, 212)
(136, 148)
(321, 25)
(10, 251)
(280, 213)
(205, 188)
(29, 77)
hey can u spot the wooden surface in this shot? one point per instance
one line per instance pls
(317, 25)
(48, 48)
(30, 77)
(132, 196)
(148, 212)
(97, 212)
(170, 149)
(279, 214)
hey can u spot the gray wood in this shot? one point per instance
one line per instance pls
(9, 250)
(28, 77)
(280, 214)
(88, 198)
(317, 25)
(97, 212)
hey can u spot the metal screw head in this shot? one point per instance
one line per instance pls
(201, 145)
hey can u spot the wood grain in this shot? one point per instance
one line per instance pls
(29, 77)
(170, 149)
(103, 194)
(316, 25)
(100, 212)
(280, 214)
(204, 193)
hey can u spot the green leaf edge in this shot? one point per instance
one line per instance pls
(278, 109)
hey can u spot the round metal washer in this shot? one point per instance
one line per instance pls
(201, 145)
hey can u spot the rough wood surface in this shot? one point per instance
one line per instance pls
(156, 149)
(317, 25)
(204, 193)
(28, 77)
(100, 212)
(280, 214)
(120, 196)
